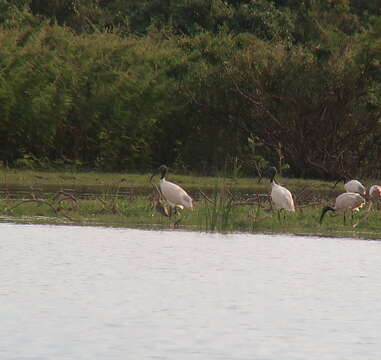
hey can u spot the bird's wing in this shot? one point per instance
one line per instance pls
(354, 186)
(282, 198)
(174, 194)
(349, 201)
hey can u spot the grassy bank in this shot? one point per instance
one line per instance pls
(13, 178)
(222, 204)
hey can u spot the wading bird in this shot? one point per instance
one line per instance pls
(346, 201)
(353, 186)
(280, 196)
(375, 196)
(375, 192)
(172, 193)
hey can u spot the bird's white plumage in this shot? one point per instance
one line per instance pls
(175, 195)
(346, 201)
(281, 197)
(349, 201)
(354, 186)
(375, 192)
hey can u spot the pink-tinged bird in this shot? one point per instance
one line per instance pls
(353, 186)
(375, 192)
(347, 201)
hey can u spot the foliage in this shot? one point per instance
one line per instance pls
(199, 85)
(322, 125)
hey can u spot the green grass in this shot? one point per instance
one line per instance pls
(25, 178)
(221, 204)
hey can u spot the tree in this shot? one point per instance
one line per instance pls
(319, 114)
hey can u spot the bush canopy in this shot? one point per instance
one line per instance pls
(201, 85)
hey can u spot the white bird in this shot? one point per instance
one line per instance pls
(375, 195)
(345, 201)
(172, 193)
(280, 196)
(375, 192)
(353, 186)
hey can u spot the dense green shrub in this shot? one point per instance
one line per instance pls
(200, 85)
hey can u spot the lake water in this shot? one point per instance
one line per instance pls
(99, 293)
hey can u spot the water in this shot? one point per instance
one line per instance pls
(96, 293)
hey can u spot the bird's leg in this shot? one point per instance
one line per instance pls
(279, 215)
(178, 221)
(364, 217)
(358, 221)
(353, 215)
(344, 218)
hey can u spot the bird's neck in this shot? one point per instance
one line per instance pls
(274, 182)
(163, 173)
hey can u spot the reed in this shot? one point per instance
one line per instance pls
(217, 213)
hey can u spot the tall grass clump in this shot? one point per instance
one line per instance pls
(217, 212)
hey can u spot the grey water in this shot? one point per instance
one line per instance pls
(70, 292)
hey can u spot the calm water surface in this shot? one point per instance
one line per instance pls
(98, 293)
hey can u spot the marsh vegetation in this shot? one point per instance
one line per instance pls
(221, 204)
(220, 89)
